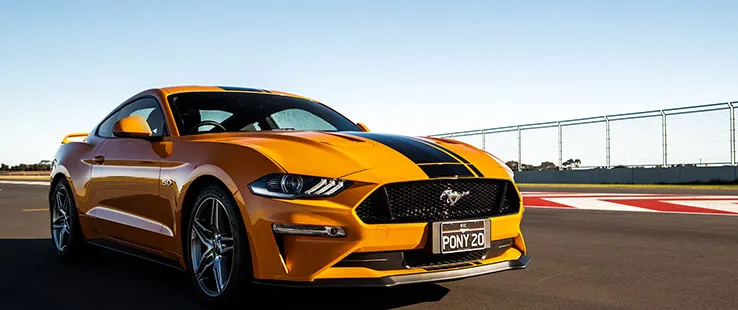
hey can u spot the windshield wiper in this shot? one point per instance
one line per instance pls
(282, 129)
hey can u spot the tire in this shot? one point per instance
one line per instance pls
(227, 245)
(66, 232)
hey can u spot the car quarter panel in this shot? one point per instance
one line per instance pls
(74, 162)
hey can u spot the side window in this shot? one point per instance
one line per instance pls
(106, 128)
(149, 109)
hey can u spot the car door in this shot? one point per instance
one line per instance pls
(125, 184)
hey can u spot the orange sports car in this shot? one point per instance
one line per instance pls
(242, 186)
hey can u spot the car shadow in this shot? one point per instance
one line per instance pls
(34, 278)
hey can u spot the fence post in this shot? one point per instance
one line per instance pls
(663, 139)
(520, 151)
(484, 140)
(561, 159)
(732, 133)
(607, 142)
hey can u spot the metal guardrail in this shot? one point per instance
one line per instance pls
(715, 114)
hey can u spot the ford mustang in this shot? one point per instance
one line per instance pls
(242, 187)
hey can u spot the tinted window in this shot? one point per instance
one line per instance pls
(296, 118)
(212, 115)
(106, 128)
(235, 111)
(149, 109)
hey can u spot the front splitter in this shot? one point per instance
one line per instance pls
(423, 277)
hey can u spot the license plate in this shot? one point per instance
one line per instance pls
(461, 236)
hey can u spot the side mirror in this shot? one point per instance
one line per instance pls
(363, 127)
(134, 126)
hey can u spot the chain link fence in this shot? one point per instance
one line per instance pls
(701, 135)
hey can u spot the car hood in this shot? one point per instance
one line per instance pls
(338, 154)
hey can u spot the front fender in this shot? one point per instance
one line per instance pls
(211, 170)
(194, 164)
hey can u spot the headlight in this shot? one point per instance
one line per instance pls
(291, 186)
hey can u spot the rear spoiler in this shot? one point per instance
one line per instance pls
(68, 138)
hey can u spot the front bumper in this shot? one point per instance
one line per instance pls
(299, 260)
(389, 281)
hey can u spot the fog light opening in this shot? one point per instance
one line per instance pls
(309, 230)
(505, 243)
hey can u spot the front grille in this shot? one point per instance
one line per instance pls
(420, 201)
(419, 258)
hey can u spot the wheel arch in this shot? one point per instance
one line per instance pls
(57, 175)
(188, 197)
(190, 194)
(199, 178)
(71, 163)
(233, 176)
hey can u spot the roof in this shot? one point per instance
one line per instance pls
(184, 89)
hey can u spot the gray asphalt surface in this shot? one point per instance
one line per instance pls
(581, 260)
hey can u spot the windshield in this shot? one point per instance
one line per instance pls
(210, 112)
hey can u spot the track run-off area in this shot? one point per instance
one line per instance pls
(591, 248)
(705, 204)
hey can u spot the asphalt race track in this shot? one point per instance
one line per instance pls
(581, 259)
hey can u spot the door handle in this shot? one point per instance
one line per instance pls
(99, 159)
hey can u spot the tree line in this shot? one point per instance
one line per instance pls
(44, 165)
(546, 165)
(570, 164)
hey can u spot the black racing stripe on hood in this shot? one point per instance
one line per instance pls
(462, 159)
(446, 170)
(476, 170)
(416, 151)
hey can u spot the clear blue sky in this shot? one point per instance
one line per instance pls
(409, 67)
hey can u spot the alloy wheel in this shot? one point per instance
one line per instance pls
(61, 224)
(211, 246)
